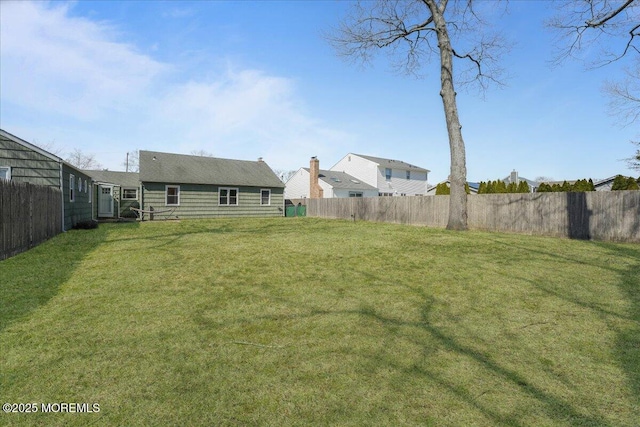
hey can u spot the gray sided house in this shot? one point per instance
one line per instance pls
(208, 187)
(114, 193)
(21, 161)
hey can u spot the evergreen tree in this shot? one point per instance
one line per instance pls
(490, 188)
(512, 187)
(619, 183)
(579, 186)
(482, 188)
(632, 184)
(523, 187)
(466, 188)
(443, 189)
(591, 186)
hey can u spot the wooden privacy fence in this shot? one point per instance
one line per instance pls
(29, 215)
(606, 215)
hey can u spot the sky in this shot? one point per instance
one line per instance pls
(244, 80)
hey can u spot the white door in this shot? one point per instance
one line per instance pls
(105, 201)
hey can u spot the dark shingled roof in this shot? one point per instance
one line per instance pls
(342, 180)
(393, 164)
(183, 169)
(124, 179)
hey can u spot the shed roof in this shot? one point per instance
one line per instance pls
(393, 164)
(124, 179)
(179, 168)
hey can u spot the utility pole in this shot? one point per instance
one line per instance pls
(127, 164)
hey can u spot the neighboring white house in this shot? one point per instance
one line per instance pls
(331, 183)
(389, 177)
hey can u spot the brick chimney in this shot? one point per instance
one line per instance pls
(315, 191)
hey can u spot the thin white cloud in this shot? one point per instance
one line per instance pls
(78, 74)
(52, 62)
(242, 110)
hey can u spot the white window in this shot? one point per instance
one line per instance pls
(79, 185)
(355, 193)
(86, 187)
(265, 197)
(5, 172)
(129, 194)
(72, 187)
(172, 195)
(228, 196)
(387, 174)
(408, 174)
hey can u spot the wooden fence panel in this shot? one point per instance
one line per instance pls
(29, 215)
(606, 215)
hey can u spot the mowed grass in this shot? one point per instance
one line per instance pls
(280, 322)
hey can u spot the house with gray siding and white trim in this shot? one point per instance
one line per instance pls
(208, 187)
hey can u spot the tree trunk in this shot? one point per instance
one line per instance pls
(458, 174)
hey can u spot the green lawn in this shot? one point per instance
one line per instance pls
(303, 321)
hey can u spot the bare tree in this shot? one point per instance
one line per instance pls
(201, 153)
(634, 162)
(50, 146)
(624, 103)
(283, 174)
(83, 160)
(415, 32)
(624, 95)
(131, 163)
(609, 29)
(540, 179)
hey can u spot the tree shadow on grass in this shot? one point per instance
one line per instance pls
(31, 279)
(628, 341)
(554, 406)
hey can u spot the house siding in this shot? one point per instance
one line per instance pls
(28, 165)
(34, 166)
(297, 186)
(344, 192)
(363, 169)
(80, 209)
(399, 183)
(201, 201)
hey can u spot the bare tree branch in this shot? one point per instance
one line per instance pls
(406, 32)
(132, 161)
(83, 160)
(594, 23)
(201, 153)
(613, 26)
